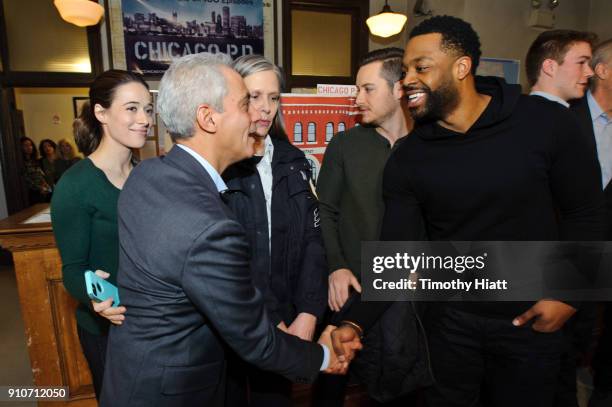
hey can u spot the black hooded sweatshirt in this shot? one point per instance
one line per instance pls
(522, 172)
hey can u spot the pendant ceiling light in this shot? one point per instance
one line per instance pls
(386, 23)
(79, 12)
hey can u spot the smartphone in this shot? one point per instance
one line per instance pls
(98, 289)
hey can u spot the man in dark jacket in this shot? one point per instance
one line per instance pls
(593, 112)
(485, 163)
(558, 69)
(183, 260)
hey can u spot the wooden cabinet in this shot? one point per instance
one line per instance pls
(47, 309)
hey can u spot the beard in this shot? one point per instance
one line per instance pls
(438, 103)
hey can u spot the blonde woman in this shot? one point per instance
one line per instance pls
(273, 200)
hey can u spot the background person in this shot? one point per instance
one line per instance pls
(350, 184)
(350, 181)
(66, 156)
(38, 189)
(594, 113)
(558, 68)
(84, 205)
(558, 65)
(48, 160)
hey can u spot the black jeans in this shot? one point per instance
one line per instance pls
(579, 333)
(602, 363)
(483, 361)
(94, 349)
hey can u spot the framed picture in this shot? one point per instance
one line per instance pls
(146, 36)
(77, 104)
(509, 69)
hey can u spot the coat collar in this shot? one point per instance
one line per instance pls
(181, 159)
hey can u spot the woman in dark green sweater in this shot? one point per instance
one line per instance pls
(84, 204)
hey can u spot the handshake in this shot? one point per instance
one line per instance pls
(342, 343)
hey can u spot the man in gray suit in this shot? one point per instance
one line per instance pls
(183, 262)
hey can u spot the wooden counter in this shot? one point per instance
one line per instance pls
(47, 309)
(48, 314)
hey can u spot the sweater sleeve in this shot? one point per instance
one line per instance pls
(575, 178)
(402, 221)
(329, 190)
(576, 184)
(71, 222)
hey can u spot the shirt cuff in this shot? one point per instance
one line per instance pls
(325, 363)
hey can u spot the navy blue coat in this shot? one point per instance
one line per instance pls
(293, 275)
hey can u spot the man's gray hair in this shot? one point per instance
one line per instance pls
(602, 54)
(189, 82)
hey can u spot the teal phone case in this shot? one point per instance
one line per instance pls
(98, 289)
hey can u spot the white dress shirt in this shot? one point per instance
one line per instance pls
(550, 97)
(264, 168)
(602, 129)
(219, 183)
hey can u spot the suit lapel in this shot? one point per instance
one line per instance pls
(581, 108)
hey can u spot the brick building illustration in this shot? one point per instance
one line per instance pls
(312, 120)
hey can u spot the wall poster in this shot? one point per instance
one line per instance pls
(312, 120)
(156, 31)
(509, 69)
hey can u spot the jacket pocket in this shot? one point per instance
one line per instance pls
(186, 379)
(297, 182)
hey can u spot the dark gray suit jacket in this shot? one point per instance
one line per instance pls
(580, 107)
(184, 278)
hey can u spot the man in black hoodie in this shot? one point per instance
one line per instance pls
(485, 164)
